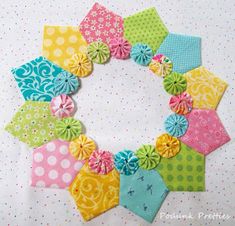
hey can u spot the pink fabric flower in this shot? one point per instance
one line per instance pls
(181, 104)
(62, 106)
(158, 58)
(101, 162)
(120, 48)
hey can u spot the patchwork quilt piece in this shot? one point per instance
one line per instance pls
(36, 79)
(53, 166)
(61, 42)
(101, 24)
(205, 88)
(184, 51)
(95, 193)
(145, 27)
(185, 171)
(205, 132)
(33, 124)
(143, 193)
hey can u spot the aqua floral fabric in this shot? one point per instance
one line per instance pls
(36, 79)
(33, 124)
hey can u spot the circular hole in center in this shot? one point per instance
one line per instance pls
(68, 127)
(167, 145)
(66, 80)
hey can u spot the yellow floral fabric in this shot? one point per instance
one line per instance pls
(79, 64)
(82, 147)
(167, 146)
(61, 42)
(95, 193)
(205, 88)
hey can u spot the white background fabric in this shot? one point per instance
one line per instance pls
(122, 105)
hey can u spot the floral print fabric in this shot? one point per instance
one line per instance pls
(33, 124)
(101, 24)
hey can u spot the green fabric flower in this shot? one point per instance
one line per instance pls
(68, 128)
(98, 52)
(148, 157)
(175, 83)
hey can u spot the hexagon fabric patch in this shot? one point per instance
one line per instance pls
(61, 42)
(33, 124)
(36, 79)
(145, 27)
(185, 171)
(101, 24)
(205, 132)
(184, 51)
(143, 193)
(95, 193)
(53, 166)
(205, 88)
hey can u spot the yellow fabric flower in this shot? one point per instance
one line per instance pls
(82, 147)
(95, 193)
(80, 65)
(167, 146)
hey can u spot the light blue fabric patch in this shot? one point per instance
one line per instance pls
(176, 125)
(184, 51)
(142, 54)
(143, 193)
(36, 79)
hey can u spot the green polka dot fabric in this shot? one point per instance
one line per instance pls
(185, 171)
(33, 124)
(145, 27)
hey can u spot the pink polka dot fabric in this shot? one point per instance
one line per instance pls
(205, 132)
(101, 24)
(54, 166)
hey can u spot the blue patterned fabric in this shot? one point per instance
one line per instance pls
(143, 193)
(126, 162)
(142, 54)
(184, 51)
(176, 125)
(36, 79)
(66, 83)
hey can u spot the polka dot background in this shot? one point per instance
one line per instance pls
(61, 42)
(126, 108)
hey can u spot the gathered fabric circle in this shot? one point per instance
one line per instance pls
(79, 64)
(181, 104)
(175, 83)
(62, 106)
(68, 128)
(167, 146)
(101, 161)
(161, 65)
(126, 162)
(176, 125)
(148, 157)
(81, 147)
(120, 48)
(98, 52)
(141, 54)
(66, 83)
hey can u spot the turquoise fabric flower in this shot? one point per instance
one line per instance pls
(143, 193)
(176, 125)
(142, 54)
(126, 162)
(66, 83)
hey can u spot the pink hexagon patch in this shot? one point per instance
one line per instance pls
(101, 24)
(53, 165)
(205, 132)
